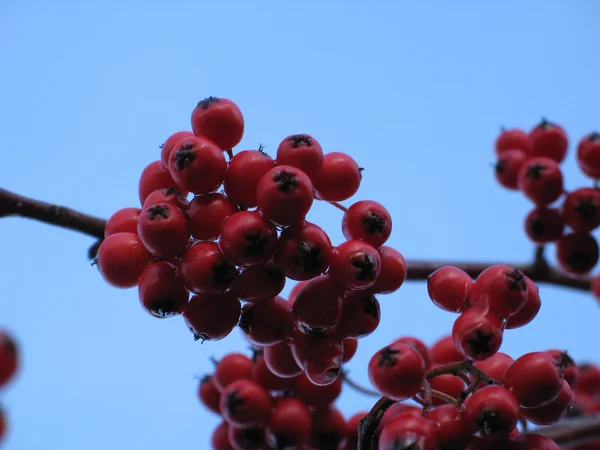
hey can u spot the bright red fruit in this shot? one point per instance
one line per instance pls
(317, 308)
(535, 379)
(203, 268)
(500, 290)
(531, 441)
(267, 322)
(167, 146)
(280, 360)
(220, 437)
(360, 315)
(355, 265)
(495, 366)
(395, 410)
(570, 369)
(259, 283)
(544, 225)
(541, 181)
(289, 425)
(350, 347)
(588, 155)
(507, 168)
(444, 351)
(477, 334)
(123, 221)
(529, 310)
(248, 239)
(588, 380)
(197, 165)
(206, 215)
(9, 359)
(301, 151)
(284, 195)
(367, 221)
(492, 410)
(451, 428)
(581, 210)
(319, 356)
(340, 177)
(209, 395)
(232, 367)
(449, 384)
(449, 288)
(121, 259)
(245, 404)
(393, 271)
(246, 169)
(163, 229)
(296, 290)
(353, 424)
(577, 253)
(406, 431)
(317, 396)
(419, 346)
(512, 139)
(211, 317)
(549, 140)
(153, 178)
(397, 371)
(219, 120)
(169, 195)
(553, 411)
(161, 290)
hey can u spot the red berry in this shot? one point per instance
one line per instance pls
(259, 283)
(531, 441)
(350, 347)
(280, 360)
(500, 290)
(495, 366)
(219, 120)
(588, 379)
(451, 428)
(121, 259)
(492, 410)
(477, 334)
(328, 429)
(548, 140)
(209, 395)
(508, 167)
(353, 424)
(340, 177)
(544, 225)
(245, 404)
(261, 373)
(248, 239)
(155, 177)
(296, 290)
(317, 396)
(577, 253)
(206, 215)
(232, 367)
(367, 221)
(319, 356)
(289, 425)
(301, 151)
(360, 315)
(448, 384)
(581, 210)
(161, 290)
(197, 165)
(355, 265)
(408, 431)
(252, 438)
(303, 251)
(245, 171)
(267, 322)
(317, 308)
(541, 181)
(588, 155)
(220, 437)
(535, 379)
(169, 144)
(211, 317)
(203, 268)
(9, 359)
(285, 195)
(513, 139)
(449, 288)
(419, 346)
(123, 221)
(394, 411)
(393, 271)
(169, 195)
(553, 411)
(529, 310)
(570, 369)
(163, 229)
(397, 371)
(444, 351)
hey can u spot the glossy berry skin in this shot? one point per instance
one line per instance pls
(507, 168)
(203, 268)
(492, 410)
(170, 195)
(350, 348)
(317, 396)
(284, 195)
(209, 394)
(197, 165)
(9, 359)
(581, 210)
(206, 215)
(289, 425)
(153, 178)
(548, 140)
(211, 317)
(303, 251)
(397, 371)
(245, 404)
(529, 310)
(534, 378)
(368, 221)
(121, 259)
(577, 253)
(588, 380)
(477, 334)
(340, 177)
(167, 147)
(355, 265)
(248, 239)
(419, 346)
(500, 290)
(552, 412)
(531, 441)
(360, 315)
(296, 290)
(232, 367)
(261, 373)
(163, 229)
(317, 308)
(245, 171)
(544, 225)
(280, 360)
(219, 120)
(301, 151)
(512, 139)
(495, 366)
(267, 322)
(161, 290)
(444, 351)
(451, 428)
(259, 283)
(220, 437)
(395, 410)
(123, 221)
(319, 356)
(393, 271)
(448, 288)
(541, 181)
(328, 429)
(408, 431)
(588, 155)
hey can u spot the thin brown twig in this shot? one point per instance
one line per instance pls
(357, 387)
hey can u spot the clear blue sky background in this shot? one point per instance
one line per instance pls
(415, 92)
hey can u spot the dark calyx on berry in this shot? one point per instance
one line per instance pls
(163, 308)
(198, 336)
(490, 422)
(261, 150)
(205, 379)
(224, 273)
(250, 437)
(387, 357)
(233, 402)
(406, 443)
(370, 305)
(545, 124)
(256, 244)
(594, 137)
(246, 318)
(158, 212)
(184, 156)
(281, 442)
(536, 171)
(536, 227)
(286, 181)
(501, 166)
(563, 360)
(309, 258)
(374, 223)
(205, 104)
(516, 281)
(366, 267)
(313, 331)
(479, 342)
(300, 139)
(586, 208)
(176, 192)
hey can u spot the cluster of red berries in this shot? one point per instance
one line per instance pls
(9, 363)
(242, 245)
(530, 162)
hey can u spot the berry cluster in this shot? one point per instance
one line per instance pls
(242, 244)
(9, 363)
(530, 162)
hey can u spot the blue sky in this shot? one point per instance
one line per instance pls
(413, 91)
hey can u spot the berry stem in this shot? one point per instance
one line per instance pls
(357, 387)
(338, 206)
(442, 396)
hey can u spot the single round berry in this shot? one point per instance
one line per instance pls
(259, 283)
(529, 310)
(340, 177)
(280, 360)
(219, 120)
(203, 268)
(317, 396)
(267, 322)
(581, 210)
(232, 367)
(500, 290)
(588, 155)
(451, 428)
(549, 140)
(544, 225)
(541, 180)
(419, 346)
(512, 139)
(206, 215)
(121, 259)
(211, 317)
(317, 308)
(9, 359)
(355, 265)
(407, 432)
(289, 425)
(367, 221)
(248, 239)
(394, 411)
(360, 315)
(552, 412)
(123, 221)
(492, 410)
(507, 168)
(393, 271)
(495, 366)
(449, 287)
(167, 147)
(301, 151)
(577, 253)
(220, 437)
(246, 169)
(477, 334)
(245, 404)
(588, 379)
(161, 290)
(163, 229)
(169, 195)
(444, 351)
(153, 178)
(328, 429)
(209, 394)
(320, 356)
